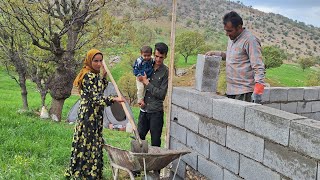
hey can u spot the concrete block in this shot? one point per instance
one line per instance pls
(278, 94)
(290, 107)
(315, 106)
(270, 123)
(224, 157)
(274, 105)
(198, 143)
(289, 163)
(311, 93)
(227, 175)
(207, 73)
(191, 159)
(266, 95)
(180, 97)
(305, 137)
(175, 144)
(307, 115)
(213, 130)
(285, 178)
(250, 169)
(315, 115)
(230, 111)
(245, 143)
(189, 120)
(295, 94)
(174, 113)
(200, 104)
(304, 107)
(209, 169)
(318, 174)
(178, 132)
(181, 171)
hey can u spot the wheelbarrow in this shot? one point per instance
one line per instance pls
(150, 163)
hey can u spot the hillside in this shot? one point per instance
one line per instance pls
(297, 38)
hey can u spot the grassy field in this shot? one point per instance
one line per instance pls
(33, 148)
(290, 75)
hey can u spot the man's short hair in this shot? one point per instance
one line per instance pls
(161, 47)
(234, 18)
(146, 49)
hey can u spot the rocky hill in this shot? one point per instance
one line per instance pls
(297, 38)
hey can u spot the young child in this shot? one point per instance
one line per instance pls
(143, 65)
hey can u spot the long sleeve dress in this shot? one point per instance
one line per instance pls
(86, 157)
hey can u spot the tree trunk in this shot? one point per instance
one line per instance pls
(61, 85)
(186, 59)
(56, 109)
(43, 94)
(24, 92)
(20, 66)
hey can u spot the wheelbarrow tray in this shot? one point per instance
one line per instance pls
(156, 159)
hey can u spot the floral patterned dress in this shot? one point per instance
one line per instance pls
(86, 157)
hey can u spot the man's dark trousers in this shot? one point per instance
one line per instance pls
(154, 123)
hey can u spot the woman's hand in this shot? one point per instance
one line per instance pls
(104, 72)
(119, 99)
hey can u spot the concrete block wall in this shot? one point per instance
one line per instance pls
(304, 101)
(231, 139)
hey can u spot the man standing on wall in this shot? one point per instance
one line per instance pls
(151, 112)
(244, 66)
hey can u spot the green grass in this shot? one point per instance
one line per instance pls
(181, 62)
(33, 148)
(290, 75)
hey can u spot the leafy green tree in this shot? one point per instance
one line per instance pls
(158, 30)
(273, 56)
(127, 84)
(188, 43)
(317, 59)
(313, 79)
(144, 36)
(306, 62)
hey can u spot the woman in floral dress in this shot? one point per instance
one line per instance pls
(86, 157)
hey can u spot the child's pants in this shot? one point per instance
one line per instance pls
(140, 90)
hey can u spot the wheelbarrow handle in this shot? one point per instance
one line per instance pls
(122, 103)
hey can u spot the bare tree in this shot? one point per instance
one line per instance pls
(58, 27)
(41, 71)
(11, 47)
(62, 27)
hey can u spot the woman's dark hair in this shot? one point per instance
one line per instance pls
(98, 53)
(234, 18)
(162, 48)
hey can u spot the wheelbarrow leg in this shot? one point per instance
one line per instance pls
(115, 171)
(174, 176)
(145, 169)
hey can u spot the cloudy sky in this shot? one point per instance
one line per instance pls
(307, 11)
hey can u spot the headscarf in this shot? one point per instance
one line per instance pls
(87, 67)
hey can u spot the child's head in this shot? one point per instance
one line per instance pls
(146, 52)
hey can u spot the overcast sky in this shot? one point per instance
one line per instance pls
(307, 11)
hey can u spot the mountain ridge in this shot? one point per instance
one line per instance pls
(296, 38)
